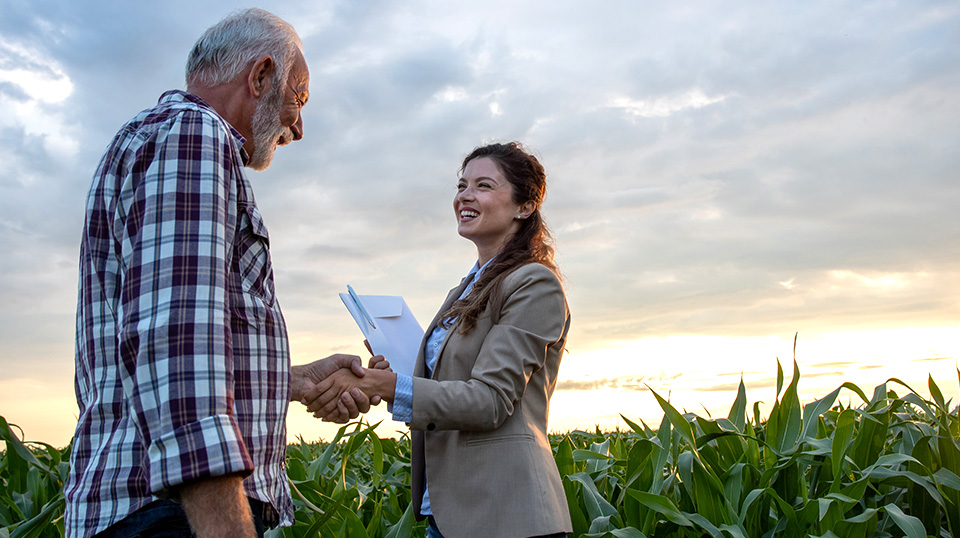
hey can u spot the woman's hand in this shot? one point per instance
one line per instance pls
(378, 362)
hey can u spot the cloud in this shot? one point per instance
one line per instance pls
(935, 359)
(626, 383)
(38, 77)
(717, 169)
(661, 107)
(31, 87)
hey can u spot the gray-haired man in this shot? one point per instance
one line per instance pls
(183, 366)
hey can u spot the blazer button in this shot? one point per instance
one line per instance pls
(431, 426)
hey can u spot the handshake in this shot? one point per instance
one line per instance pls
(338, 388)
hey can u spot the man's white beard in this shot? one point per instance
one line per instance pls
(268, 132)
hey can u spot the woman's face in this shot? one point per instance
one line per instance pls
(484, 206)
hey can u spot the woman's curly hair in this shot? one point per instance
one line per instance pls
(531, 244)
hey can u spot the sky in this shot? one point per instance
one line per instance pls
(722, 178)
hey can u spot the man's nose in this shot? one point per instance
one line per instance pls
(297, 128)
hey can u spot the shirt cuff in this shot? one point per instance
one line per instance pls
(211, 446)
(403, 399)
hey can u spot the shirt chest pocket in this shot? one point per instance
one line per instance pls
(252, 255)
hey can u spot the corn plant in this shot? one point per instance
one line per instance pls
(886, 467)
(31, 487)
(357, 485)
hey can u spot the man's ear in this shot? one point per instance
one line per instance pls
(260, 75)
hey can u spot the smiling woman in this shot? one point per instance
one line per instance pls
(479, 398)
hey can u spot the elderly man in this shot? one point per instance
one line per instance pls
(183, 374)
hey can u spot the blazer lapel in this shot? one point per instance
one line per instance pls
(452, 296)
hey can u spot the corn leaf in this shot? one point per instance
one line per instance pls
(596, 504)
(911, 526)
(661, 505)
(738, 412)
(404, 527)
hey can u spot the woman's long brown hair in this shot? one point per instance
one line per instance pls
(531, 244)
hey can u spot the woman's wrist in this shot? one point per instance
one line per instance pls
(380, 382)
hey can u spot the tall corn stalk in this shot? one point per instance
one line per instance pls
(888, 466)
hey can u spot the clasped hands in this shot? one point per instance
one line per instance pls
(338, 388)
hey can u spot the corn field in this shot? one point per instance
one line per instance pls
(887, 466)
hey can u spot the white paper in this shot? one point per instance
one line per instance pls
(397, 335)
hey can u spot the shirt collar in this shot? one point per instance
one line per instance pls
(179, 96)
(477, 268)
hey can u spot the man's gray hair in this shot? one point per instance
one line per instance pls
(227, 48)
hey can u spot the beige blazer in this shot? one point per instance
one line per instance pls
(479, 428)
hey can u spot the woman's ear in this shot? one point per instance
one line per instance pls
(526, 209)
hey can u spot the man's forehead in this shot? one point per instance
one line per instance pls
(299, 72)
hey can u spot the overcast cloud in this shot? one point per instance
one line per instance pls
(715, 168)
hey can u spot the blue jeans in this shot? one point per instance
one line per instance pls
(165, 519)
(432, 530)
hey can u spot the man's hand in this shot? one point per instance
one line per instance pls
(324, 398)
(218, 507)
(351, 404)
(304, 376)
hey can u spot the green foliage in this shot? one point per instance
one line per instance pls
(356, 485)
(885, 468)
(31, 487)
(889, 466)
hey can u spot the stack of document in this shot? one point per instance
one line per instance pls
(389, 327)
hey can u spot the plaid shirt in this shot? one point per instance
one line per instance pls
(182, 358)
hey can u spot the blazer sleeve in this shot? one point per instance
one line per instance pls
(532, 317)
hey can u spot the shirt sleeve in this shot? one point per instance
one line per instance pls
(402, 407)
(176, 227)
